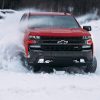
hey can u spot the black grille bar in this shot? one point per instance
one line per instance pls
(60, 48)
(54, 40)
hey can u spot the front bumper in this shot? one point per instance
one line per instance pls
(60, 56)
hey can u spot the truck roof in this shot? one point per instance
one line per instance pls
(49, 13)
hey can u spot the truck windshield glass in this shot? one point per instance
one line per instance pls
(53, 21)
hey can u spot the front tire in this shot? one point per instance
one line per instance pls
(24, 61)
(36, 68)
(91, 66)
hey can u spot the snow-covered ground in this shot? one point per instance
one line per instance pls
(17, 83)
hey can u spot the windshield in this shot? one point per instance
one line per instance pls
(53, 21)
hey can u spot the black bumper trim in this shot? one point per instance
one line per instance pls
(68, 55)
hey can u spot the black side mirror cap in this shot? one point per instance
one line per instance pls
(87, 28)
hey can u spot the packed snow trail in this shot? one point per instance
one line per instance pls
(16, 83)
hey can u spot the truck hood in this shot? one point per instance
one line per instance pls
(58, 32)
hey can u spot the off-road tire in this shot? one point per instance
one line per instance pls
(24, 61)
(91, 66)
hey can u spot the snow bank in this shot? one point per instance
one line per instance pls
(10, 42)
(87, 18)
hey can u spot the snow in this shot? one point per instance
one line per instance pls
(88, 17)
(17, 83)
(30, 86)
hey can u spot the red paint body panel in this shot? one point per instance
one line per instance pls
(59, 32)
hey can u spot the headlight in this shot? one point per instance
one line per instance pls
(86, 37)
(37, 37)
(34, 37)
(31, 37)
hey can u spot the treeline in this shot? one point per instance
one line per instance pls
(77, 7)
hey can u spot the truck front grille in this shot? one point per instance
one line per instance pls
(51, 44)
(54, 40)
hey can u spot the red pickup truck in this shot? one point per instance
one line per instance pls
(56, 41)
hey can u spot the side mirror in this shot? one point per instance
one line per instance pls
(87, 28)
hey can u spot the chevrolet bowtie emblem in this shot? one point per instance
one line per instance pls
(62, 42)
